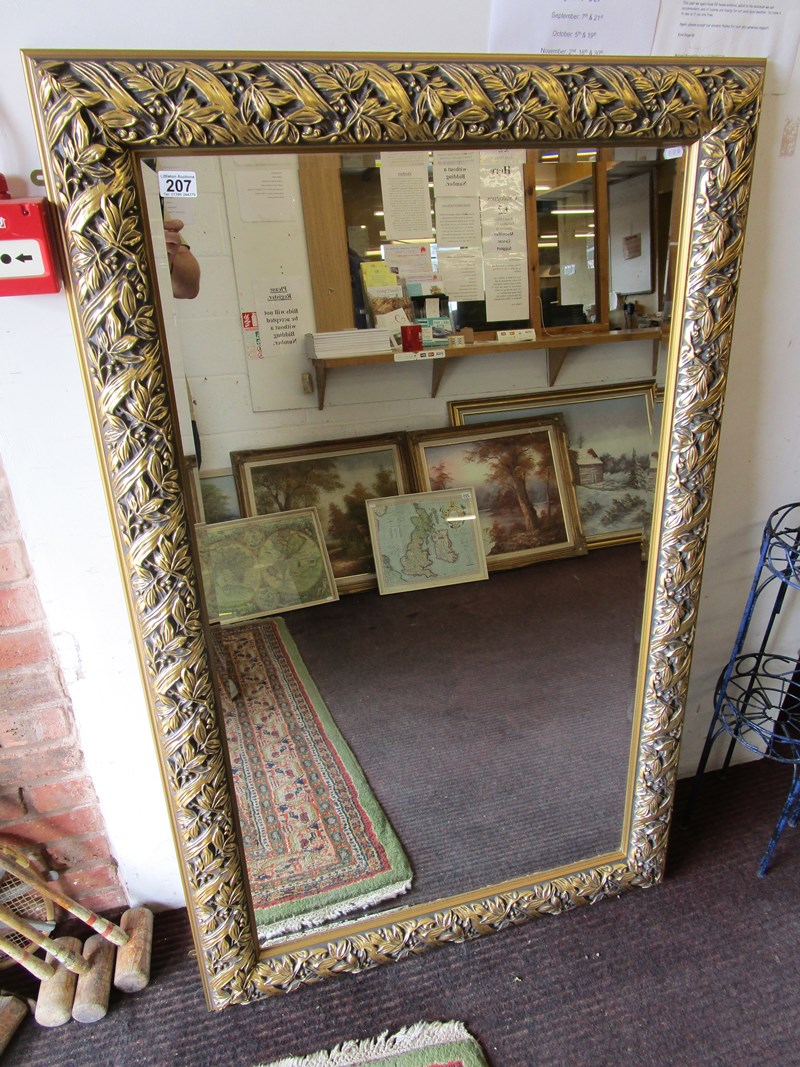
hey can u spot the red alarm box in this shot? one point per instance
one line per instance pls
(28, 263)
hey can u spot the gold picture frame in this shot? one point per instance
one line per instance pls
(96, 114)
(521, 474)
(616, 417)
(264, 564)
(323, 472)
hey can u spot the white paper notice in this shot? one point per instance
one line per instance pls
(573, 27)
(733, 28)
(507, 288)
(502, 170)
(406, 196)
(503, 225)
(462, 273)
(407, 260)
(283, 319)
(265, 194)
(455, 174)
(458, 221)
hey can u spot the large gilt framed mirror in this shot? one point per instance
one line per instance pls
(496, 814)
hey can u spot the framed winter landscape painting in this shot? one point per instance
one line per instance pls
(523, 484)
(609, 435)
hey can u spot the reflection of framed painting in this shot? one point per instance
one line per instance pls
(335, 477)
(425, 540)
(609, 432)
(218, 499)
(521, 476)
(257, 566)
(212, 494)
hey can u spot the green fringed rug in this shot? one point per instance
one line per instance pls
(317, 843)
(421, 1045)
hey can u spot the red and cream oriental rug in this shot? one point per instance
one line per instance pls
(317, 844)
(421, 1045)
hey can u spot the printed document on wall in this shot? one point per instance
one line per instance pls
(573, 27)
(406, 196)
(506, 280)
(745, 28)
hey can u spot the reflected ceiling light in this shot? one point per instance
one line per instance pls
(543, 188)
(572, 211)
(548, 244)
(378, 214)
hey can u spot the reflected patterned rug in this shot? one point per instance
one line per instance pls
(318, 846)
(420, 1045)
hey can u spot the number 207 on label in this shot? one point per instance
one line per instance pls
(177, 183)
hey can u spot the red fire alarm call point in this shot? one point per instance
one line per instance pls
(27, 259)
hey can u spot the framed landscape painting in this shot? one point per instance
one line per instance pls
(335, 477)
(523, 486)
(217, 495)
(609, 437)
(426, 540)
(211, 495)
(265, 564)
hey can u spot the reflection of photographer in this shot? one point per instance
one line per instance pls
(183, 267)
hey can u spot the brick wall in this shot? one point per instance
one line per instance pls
(46, 797)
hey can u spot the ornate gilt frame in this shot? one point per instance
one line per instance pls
(94, 113)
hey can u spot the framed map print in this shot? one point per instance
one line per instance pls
(265, 564)
(425, 540)
(335, 477)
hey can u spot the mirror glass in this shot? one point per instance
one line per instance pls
(565, 219)
(460, 735)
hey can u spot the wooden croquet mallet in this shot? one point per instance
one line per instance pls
(58, 952)
(26, 874)
(56, 995)
(12, 1011)
(134, 937)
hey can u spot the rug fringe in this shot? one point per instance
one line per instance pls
(297, 923)
(412, 1038)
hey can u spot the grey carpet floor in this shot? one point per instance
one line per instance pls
(701, 970)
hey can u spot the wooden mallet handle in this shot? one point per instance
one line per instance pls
(102, 926)
(27, 959)
(72, 962)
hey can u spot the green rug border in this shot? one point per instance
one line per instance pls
(380, 887)
(443, 1041)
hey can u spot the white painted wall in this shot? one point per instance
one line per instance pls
(49, 455)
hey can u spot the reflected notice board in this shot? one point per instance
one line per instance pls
(629, 235)
(265, 218)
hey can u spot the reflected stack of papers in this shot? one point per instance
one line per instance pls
(340, 343)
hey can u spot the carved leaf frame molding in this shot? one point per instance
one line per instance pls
(96, 114)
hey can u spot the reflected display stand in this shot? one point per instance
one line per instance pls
(757, 698)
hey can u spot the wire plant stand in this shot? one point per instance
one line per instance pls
(757, 696)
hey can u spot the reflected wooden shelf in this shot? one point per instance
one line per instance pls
(556, 347)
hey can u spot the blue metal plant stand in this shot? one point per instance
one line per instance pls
(757, 697)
